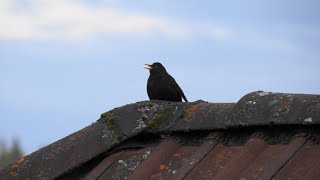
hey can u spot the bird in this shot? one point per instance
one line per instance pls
(161, 85)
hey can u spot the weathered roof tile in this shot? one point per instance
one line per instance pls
(262, 108)
(263, 136)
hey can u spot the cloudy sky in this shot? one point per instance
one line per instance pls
(64, 62)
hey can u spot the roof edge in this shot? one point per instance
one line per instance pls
(254, 109)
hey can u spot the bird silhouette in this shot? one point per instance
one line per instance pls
(162, 86)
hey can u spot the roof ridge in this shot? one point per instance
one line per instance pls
(254, 109)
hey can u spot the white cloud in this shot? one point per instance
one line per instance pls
(72, 19)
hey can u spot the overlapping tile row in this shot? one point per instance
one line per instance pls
(262, 108)
(256, 159)
(160, 117)
(59, 157)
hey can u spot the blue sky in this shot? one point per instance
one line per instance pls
(64, 62)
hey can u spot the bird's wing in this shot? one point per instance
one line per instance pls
(174, 84)
(149, 90)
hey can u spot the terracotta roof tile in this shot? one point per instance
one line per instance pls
(263, 136)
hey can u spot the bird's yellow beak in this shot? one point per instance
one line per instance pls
(148, 66)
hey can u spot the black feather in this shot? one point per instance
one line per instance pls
(162, 86)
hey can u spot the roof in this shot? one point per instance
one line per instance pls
(264, 135)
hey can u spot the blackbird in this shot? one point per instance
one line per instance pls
(162, 86)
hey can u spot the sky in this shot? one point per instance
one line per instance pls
(64, 62)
